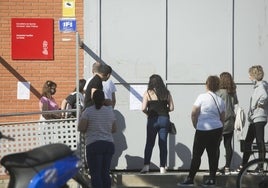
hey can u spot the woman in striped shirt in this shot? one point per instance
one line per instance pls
(98, 124)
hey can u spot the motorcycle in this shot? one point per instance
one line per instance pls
(51, 165)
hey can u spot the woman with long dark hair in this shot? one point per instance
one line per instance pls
(157, 103)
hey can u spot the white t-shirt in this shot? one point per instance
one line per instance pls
(209, 117)
(108, 88)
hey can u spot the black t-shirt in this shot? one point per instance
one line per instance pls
(96, 83)
(71, 99)
(158, 108)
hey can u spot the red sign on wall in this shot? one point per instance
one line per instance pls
(32, 38)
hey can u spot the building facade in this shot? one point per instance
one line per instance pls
(183, 41)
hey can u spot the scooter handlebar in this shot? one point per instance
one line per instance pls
(6, 137)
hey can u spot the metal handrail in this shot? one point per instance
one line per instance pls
(40, 121)
(32, 113)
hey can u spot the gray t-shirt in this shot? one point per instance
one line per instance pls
(230, 101)
(100, 123)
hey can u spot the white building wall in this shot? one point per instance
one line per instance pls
(184, 41)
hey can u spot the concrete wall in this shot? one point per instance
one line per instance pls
(183, 41)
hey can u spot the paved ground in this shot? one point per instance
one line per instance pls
(155, 180)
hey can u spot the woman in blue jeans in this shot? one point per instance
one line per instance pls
(98, 124)
(157, 103)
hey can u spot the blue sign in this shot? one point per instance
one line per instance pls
(67, 25)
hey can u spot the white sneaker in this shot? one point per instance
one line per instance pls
(162, 170)
(145, 169)
(237, 170)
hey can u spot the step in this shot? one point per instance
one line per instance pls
(167, 180)
(126, 179)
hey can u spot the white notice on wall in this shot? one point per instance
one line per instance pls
(136, 94)
(23, 91)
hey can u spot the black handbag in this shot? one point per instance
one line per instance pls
(172, 128)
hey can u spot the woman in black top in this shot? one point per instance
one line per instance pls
(157, 103)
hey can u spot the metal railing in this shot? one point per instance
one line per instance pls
(32, 134)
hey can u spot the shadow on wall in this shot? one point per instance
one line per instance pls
(19, 77)
(171, 152)
(136, 163)
(184, 154)
(133, 162)
(119, 139)
(236, 160)
(114, 73)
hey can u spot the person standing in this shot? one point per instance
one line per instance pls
(70, 101)
(98, 124)
(207, 118)
(95, 67)
(227, 92)
(108, 85)
(47, 102)
(257, 114)
(156, 104)
(102, 73)
(109, 90)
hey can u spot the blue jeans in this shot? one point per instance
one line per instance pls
(99, 156)
(157, 125)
